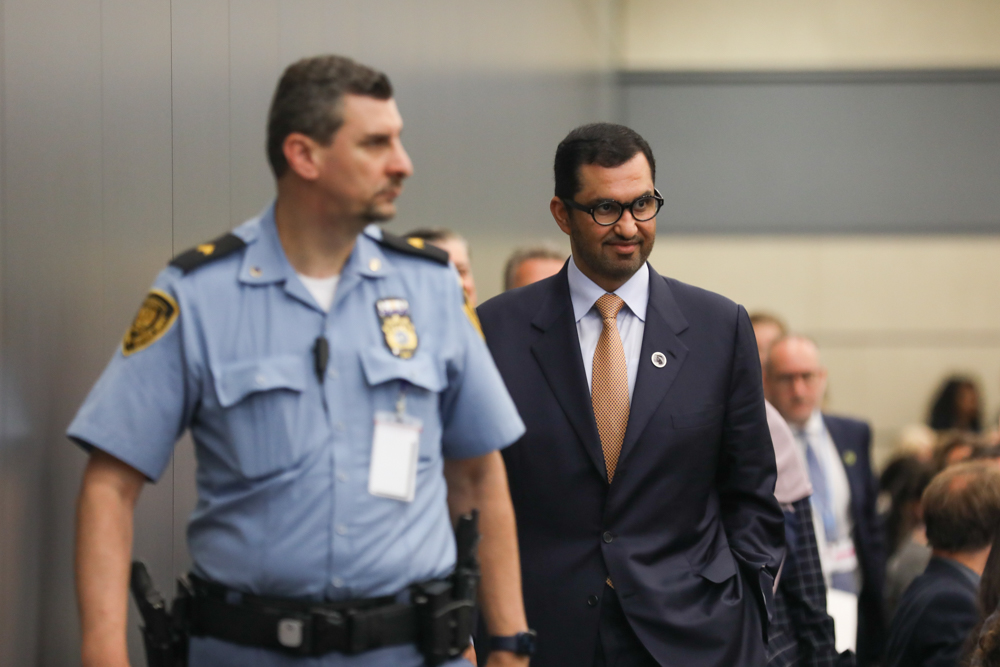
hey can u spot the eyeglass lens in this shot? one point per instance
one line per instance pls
(643, 209)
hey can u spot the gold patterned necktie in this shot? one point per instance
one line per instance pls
(609, 383)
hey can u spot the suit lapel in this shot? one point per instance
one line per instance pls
(664, 321)
(557, 351)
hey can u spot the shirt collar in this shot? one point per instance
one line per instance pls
(966, 571)
(265, 260)
(814, 427)
(584, 292)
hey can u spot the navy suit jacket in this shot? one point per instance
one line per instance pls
(936, 614)
(689, 531)
(853, 441)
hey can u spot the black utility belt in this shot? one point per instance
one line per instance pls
(434, 620)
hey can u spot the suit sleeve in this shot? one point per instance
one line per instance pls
(751, 515)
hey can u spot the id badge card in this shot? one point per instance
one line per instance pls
(395, 448)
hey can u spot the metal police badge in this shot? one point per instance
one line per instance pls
(400, 336)
(155, 317)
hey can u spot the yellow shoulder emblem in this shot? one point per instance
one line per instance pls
(470, 312)
(155, 317)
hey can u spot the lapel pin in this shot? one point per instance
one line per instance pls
(659, 359)
(850, 458)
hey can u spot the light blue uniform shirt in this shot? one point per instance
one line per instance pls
(283, 504)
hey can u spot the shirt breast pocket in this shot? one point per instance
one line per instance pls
(420, 380)
(260, 400)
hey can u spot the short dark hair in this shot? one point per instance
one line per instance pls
(962, 507)
(309, 97)
(603, 144)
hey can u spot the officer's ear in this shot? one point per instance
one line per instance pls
(302, 155)
(560, 214)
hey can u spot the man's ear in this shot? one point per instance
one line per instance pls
(301, 155)
(560, 214)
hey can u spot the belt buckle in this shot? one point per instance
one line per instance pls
(295, 633)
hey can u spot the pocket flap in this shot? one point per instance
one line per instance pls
(720, 567)
(237, 380)
(422, 371)
(700, 418)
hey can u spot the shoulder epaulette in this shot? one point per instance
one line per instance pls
(414, 246)
(189, 260)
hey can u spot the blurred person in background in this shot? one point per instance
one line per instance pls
(901, 486)
(767, 328)
(529, 264)
(458, 252)
(983, 644)
(938, 610)
(837, 453)
(957, 406)
(917, 440)
(954, 447)
(801, 632)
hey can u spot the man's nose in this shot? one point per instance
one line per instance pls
(626, 227)
(400, 164)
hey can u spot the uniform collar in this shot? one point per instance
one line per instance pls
(265, 261)
(584, 292)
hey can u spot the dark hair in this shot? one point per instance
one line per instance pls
(944, 411)
(962, 507)
(903, 481)
(983, 644)
(308, 99)
(603, 144)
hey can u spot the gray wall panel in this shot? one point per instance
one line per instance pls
(823, 154)
(52, 222)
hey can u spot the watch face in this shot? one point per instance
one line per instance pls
(526, 642)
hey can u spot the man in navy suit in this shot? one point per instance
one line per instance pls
(643, 487)
(938, 610)
(836, 449)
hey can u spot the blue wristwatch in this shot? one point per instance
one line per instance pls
(523, 643)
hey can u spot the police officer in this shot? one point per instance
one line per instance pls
(340, 400)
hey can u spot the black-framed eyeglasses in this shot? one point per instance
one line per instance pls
(608, 212)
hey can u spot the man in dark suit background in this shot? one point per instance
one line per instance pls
(648, 528)
(850, 538)
(938, 610)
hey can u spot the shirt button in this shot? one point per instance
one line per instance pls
(341, 476)
(332, 373)
(339, 426)
(608, 538)
(260, 380)
(342, 529)
(337, 582)
(592, 600)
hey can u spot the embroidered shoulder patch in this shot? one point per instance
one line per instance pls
(156, 315)
(191, 259)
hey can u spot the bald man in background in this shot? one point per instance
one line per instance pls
(529, 264)
(837, 452)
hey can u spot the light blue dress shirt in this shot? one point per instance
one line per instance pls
(584, 293)
(283, 504)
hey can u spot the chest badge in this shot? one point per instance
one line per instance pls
(400, 336)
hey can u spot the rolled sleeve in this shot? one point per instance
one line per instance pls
(479, 415)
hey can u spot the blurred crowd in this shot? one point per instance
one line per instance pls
(891, 569)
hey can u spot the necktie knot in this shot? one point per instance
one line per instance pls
(609, 305)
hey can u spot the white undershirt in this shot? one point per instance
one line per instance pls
(584, 293)
(322, 289)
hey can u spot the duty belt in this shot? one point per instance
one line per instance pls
(300, 627)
